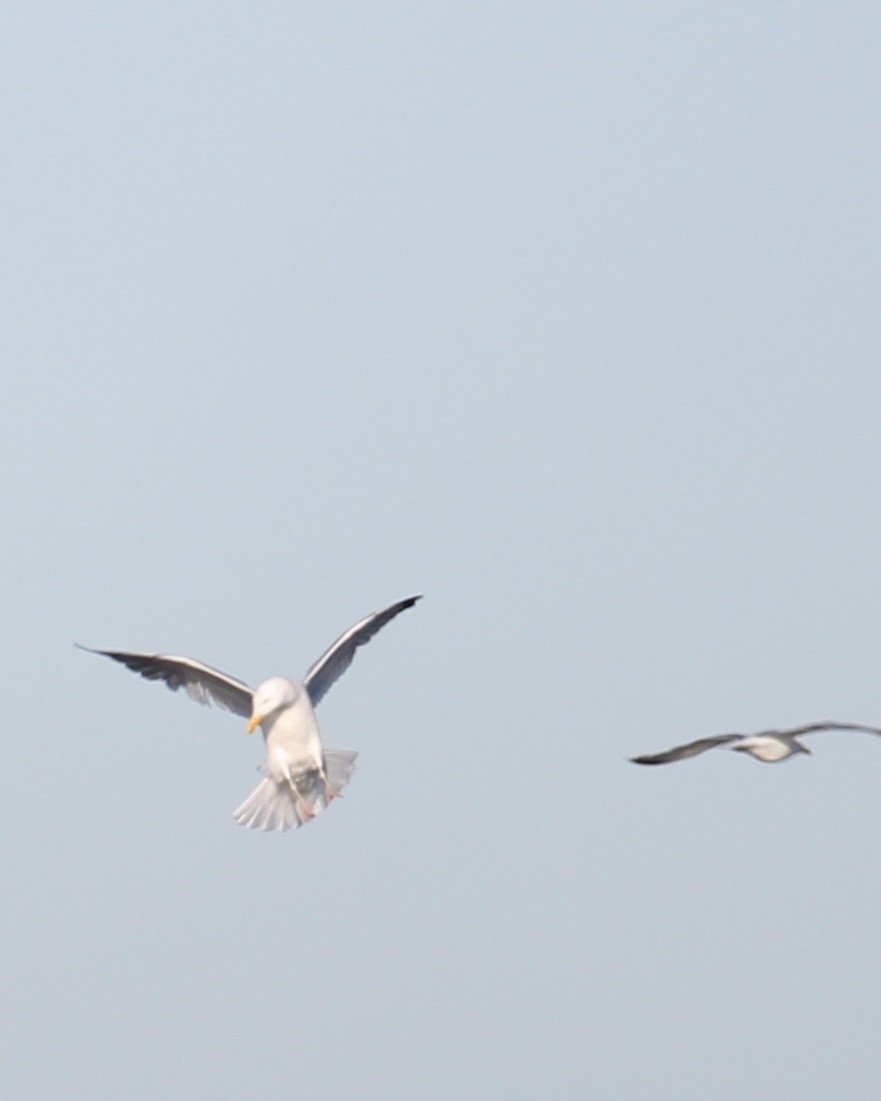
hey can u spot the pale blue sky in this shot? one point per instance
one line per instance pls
(565, 315)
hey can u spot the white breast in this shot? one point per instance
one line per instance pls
(293, 744)
(764, 748)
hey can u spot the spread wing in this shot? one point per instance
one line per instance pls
(201, 682)
(813, 728)
(337, 659)
(690, 749)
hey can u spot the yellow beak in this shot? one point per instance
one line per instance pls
(253, 723)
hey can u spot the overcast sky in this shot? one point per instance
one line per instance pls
(562, 314)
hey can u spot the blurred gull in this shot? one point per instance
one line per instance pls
(301, 776)
(768, 745)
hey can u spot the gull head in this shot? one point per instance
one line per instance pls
(270, 697)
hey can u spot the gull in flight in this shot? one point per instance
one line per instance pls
(301, 776)
(768, 745)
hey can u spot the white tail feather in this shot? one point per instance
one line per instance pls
(339, 764)
(274, 805)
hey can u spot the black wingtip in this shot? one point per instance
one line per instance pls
(407, 602)
(92, 650)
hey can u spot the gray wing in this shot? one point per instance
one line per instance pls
(337, 659)
(813, 728)
(690, 749)
(202, 683)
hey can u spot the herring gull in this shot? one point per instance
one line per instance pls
(301, 777)
(768, 745)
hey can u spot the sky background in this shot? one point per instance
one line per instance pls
(564, 315)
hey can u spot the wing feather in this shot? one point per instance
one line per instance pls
(814, 728)
(337, 658)
(690, 749)
(202, 683)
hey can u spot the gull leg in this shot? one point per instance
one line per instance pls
(305, 812)
(330, 793)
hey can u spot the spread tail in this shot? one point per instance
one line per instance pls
(274, 805)
(339, 764)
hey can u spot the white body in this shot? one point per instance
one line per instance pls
(293, 744)
(298, 771)
(765, 747)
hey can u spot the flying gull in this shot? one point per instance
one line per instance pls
(768, 745)
(301, 776)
